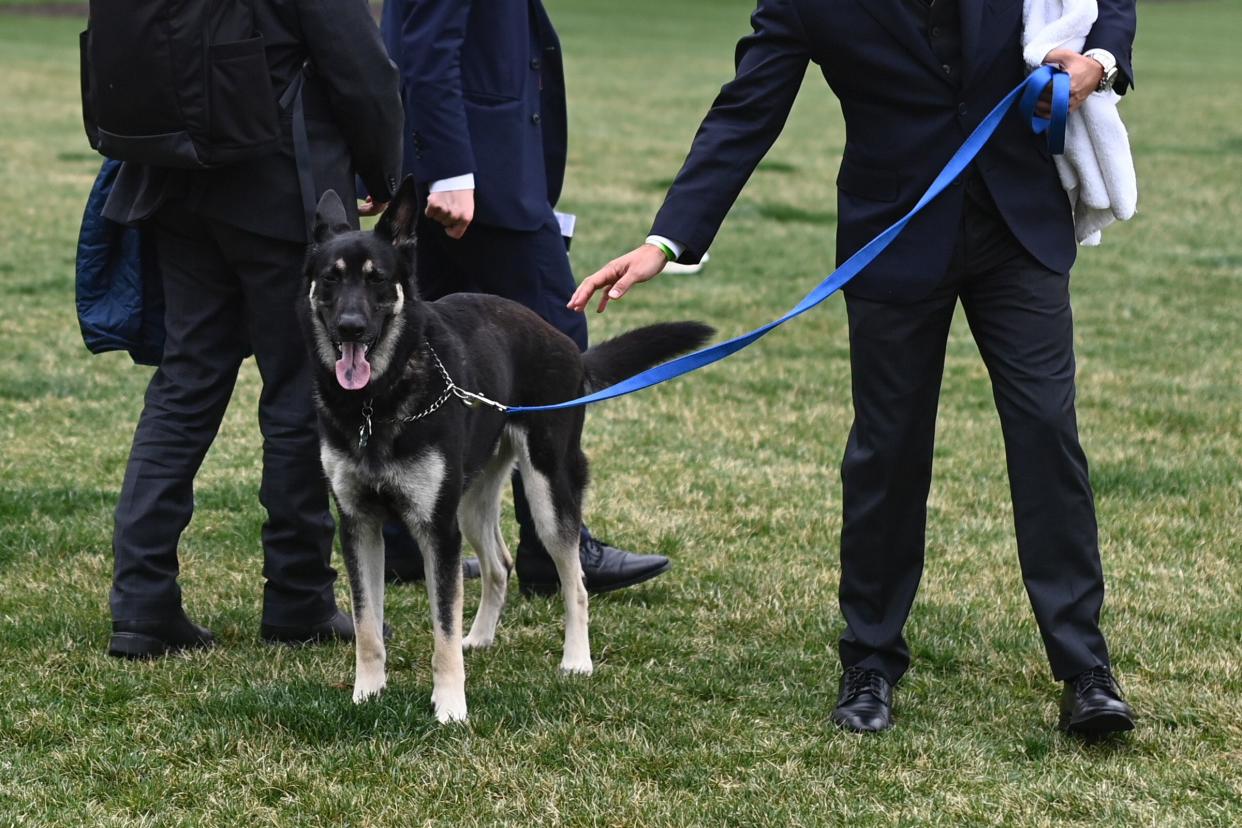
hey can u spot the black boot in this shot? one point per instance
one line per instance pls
(864, 701)
(1092, 706)
(604, 568)
(152, 638)
(406, 570)
(337, 627)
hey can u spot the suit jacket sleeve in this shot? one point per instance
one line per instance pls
(362, 86)
(743, 123)
(432, 33)
(1114, 30)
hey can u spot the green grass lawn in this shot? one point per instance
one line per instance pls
(713, 685)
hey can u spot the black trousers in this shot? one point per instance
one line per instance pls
(228, 292)
(529, 267)
(1019, 315)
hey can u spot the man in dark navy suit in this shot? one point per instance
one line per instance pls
(484, 92)
(914, 77)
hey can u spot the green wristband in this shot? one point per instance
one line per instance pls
(668, 251)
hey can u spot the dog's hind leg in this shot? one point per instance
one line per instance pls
(363, 544)
(556, 505)
(441, 547)
(479, 519)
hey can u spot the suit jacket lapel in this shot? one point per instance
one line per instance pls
(972, 25)
(895, 17)
(543, 26)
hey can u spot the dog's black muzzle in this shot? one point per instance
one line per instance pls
(351, 327)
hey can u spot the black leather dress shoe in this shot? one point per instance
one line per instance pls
(604, 569)
(410, 568)
(338, 627)
(865, 701)
(157, 637)
(1092, 706)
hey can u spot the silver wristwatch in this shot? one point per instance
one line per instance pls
(1105, 59)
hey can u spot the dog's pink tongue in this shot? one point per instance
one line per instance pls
(352, 369)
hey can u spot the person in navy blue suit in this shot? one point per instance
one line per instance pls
(486, 137)
(913, 78)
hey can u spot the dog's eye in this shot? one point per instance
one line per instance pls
(331, 276)
(374, 277)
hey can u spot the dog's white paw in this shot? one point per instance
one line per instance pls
(449, 706)
(477, 641)
(368, 687)
(577, 666)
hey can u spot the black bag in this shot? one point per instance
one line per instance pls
(177, 83)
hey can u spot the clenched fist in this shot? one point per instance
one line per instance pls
(371, 208)
(452, 208)
(1085, 76)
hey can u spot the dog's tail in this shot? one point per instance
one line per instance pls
(610, 362)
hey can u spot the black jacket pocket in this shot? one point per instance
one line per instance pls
(868, 182)
(243, 103)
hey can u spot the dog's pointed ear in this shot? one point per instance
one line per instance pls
(330, 217)
(397, 225)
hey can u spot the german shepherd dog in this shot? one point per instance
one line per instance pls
(402, 439)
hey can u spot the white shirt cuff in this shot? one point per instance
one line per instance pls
(1102, 56)
(661, 241)
(457, 182)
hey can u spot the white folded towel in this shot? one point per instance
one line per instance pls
(1097, 169)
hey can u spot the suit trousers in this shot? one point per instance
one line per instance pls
(1019, 314)
(228, 293)
(531, 268)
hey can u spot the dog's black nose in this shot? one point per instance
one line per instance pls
(351, 326)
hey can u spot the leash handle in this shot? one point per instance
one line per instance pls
(1053, 126)
(1027, 94)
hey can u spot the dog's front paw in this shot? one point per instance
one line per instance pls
(577, 666)
(368, 687)
(449, 706)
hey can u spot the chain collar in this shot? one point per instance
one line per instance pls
(451, 389)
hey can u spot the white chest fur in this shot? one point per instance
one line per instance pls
(416, 481)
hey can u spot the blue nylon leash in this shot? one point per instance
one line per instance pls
(1027, 95)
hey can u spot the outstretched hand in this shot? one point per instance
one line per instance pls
(618, 276)
(1085, 76)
